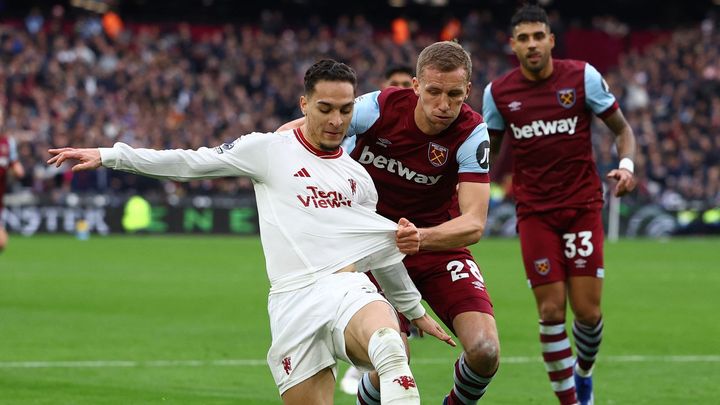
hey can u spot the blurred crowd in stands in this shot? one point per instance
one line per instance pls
(88, 83)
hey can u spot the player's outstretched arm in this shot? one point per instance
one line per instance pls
(625, 142)
(246, 157)
(88, 158)
(402, 293)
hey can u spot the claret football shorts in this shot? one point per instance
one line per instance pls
(451, 282)
(560, 244)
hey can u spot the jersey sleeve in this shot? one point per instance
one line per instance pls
(597, 92)
(473, 156)
(490, 112)
(400, 290)
(246, 156)
(365, 112)
(13, 153)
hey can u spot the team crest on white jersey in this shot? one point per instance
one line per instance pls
(566, 97)
(437, 154)
(515, 106)
(353, 186)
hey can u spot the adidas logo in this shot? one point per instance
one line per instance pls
(302, 173)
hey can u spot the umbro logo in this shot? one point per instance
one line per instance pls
(515, 106)
(302, 173)
(383, 142)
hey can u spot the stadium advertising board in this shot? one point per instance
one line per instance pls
(140, 216)
(158, 219)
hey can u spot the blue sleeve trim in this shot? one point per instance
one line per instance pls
(597, 91)
(491, 114)
(473, 156)
(365, 112)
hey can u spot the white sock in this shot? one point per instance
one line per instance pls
(387, 353)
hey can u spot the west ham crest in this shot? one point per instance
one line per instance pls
(437, 154)
(542, 266)
(566, 97)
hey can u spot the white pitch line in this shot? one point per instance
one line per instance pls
(258, 362)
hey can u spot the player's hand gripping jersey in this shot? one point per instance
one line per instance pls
(548, 123)
(292, 179)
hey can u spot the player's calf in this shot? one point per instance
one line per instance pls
(587, 343)
(387, 354)
(470, 386)
(558, 358)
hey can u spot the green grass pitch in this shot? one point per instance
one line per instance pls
(182, 320)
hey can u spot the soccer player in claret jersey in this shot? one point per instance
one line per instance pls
(545, 107)
(422, 146)
(317, 225)
(8, 163)
(398, 76)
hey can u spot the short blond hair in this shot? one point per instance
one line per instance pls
(445, 56)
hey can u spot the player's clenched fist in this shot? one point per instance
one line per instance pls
(407, 237)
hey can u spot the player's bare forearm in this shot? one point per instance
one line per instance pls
(625, 141)
(624, 136)
(465, 230)
(296, 123)
(462, 231)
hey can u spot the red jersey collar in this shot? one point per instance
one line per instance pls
(315, 151)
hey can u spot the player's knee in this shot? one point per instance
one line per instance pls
(589, 318)
(386, 350)
(483, 356)
(551, 312)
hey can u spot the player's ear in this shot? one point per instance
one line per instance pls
(303, 105)
(416, 85)
(552, 40)
(467, 90)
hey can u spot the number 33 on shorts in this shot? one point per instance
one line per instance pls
(460, 270)
(585, 247)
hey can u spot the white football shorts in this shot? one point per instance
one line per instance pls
(308, 325)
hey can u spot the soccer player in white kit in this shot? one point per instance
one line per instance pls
(317, 224)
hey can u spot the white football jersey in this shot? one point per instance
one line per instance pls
(316, 209)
